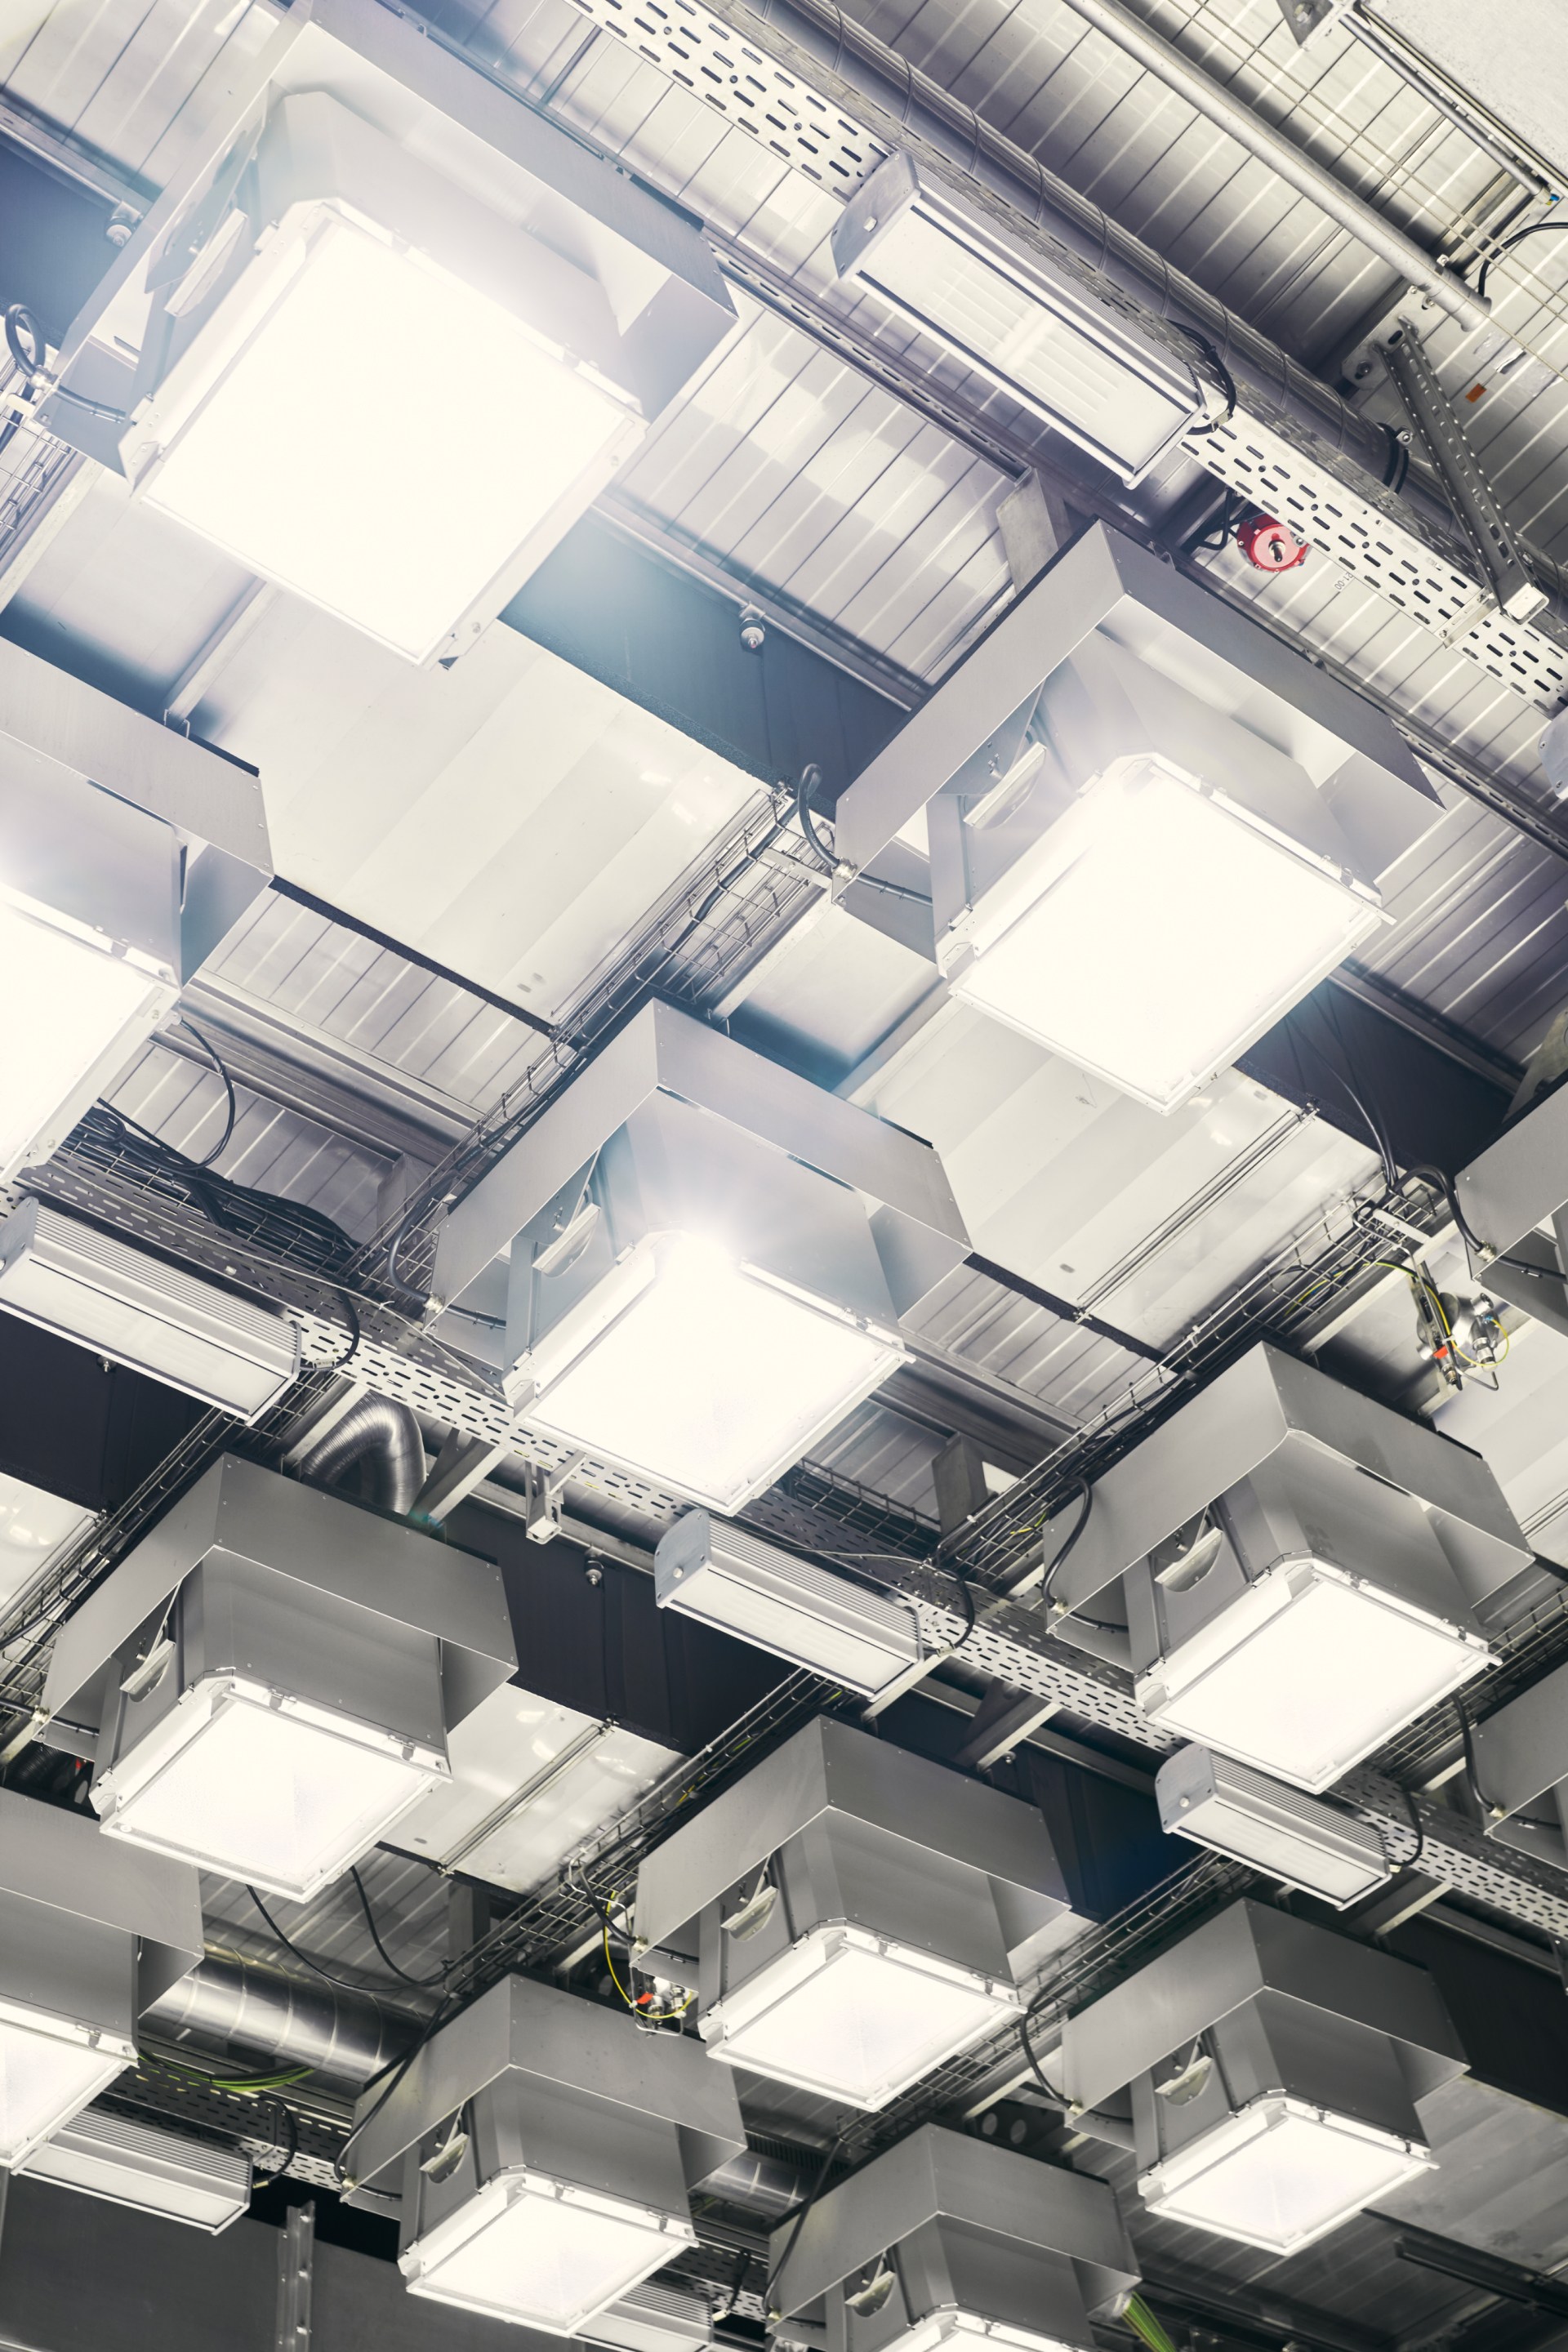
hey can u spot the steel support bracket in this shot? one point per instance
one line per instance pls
(546, 1497)
(296, 2263)
(1433, 420)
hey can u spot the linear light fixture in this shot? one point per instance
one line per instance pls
(126, 855)
(547, 2154)
(708, 1258)
(1152, 829)
(90, 1936)
(1003, 308)
(727, 1577)
(850, 1916)
(1229, 1808)
(67, 1275)
(128, 2162)
(282, 1669)
(1274, 2069)
(1301, 1569)
(369, 233)
(946, 2241)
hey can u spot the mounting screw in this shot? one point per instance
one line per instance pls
(754, 629)
(121, 221)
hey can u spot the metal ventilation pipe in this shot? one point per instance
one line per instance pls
(384, 1435)
(228, 2001)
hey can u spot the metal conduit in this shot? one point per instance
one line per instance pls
(259, 2011)
(382, 1433)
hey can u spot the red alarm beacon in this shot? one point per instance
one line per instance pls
(1268, 546)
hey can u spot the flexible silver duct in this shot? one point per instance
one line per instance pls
(382, 1433)
(260, 2014)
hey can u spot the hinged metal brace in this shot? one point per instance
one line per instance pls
(296, 2260)
(546, 1495)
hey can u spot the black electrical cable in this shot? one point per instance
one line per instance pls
(819, 2181)
(1536, 228)
(1483, 1804)
(424, 1983)
(1418, 1825)
(355, 1335)
(443, 2011)
(1085, 1492)
(810, 777)
(21, 327)
(1052, 2090)
(221, 1145)
(1227, 382)
(966, 1594)
(288, 2117)
(315, 1966)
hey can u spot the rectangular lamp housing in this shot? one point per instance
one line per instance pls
(852, 1915)
(1137, 880)
(727, 1577)
(370, 260)
(69, 1276)
(68, 2018)
(130, 2163)
(275, 1749)
(1280, 2174)
(1030, 324)
(699, 1307)
(1303, 1843)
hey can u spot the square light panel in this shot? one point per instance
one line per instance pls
(854, 2016)
(1156, 931)
(80, 1012)
(50, 2069)
(366, 430)
(531, 2249)
(1307, 1672)
(263, 1786)
(965, 2329)
(34, 1525)
(1280, 2174)
(701, 1371)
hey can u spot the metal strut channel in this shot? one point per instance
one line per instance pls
(1491, 535)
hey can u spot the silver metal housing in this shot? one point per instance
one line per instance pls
(727, 1577)
(121, 1302)
(1296, 1838)
(966, 2227)
(1514, 1198)
(1521, 1770)
(166, 2173)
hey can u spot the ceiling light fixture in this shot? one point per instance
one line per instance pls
(90, 1936)
(1297, 1838)
(1035, 330)
(547, 2154)
(947, 2242)
(710, 1258)
(727, 1577)
(282, 1669)
(851, 1915)
(126, 855)
(1152, 829)
(150, 2169)
(1302, 1568)
(1274, 2069)
(70, 1276)
(369, 232)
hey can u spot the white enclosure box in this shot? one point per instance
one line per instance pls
(1033, 326)
(70, 1276)
(1297, 1838)
(166, 2173)
(725, 1576)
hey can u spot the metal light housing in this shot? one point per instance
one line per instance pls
(949, 2241)
(1031, 324)
(167, 2173)
(1302, 1570)
(710, 1258)
(1297, 1838)
(90, 1936)
(265, 1683)
(368, 225)
(547, 2154)
(126, 855)
(1522, 1770)
(1152, 829)
(1274, 2069)
(849, 1915)
(71, 1277)
(727, 1577)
